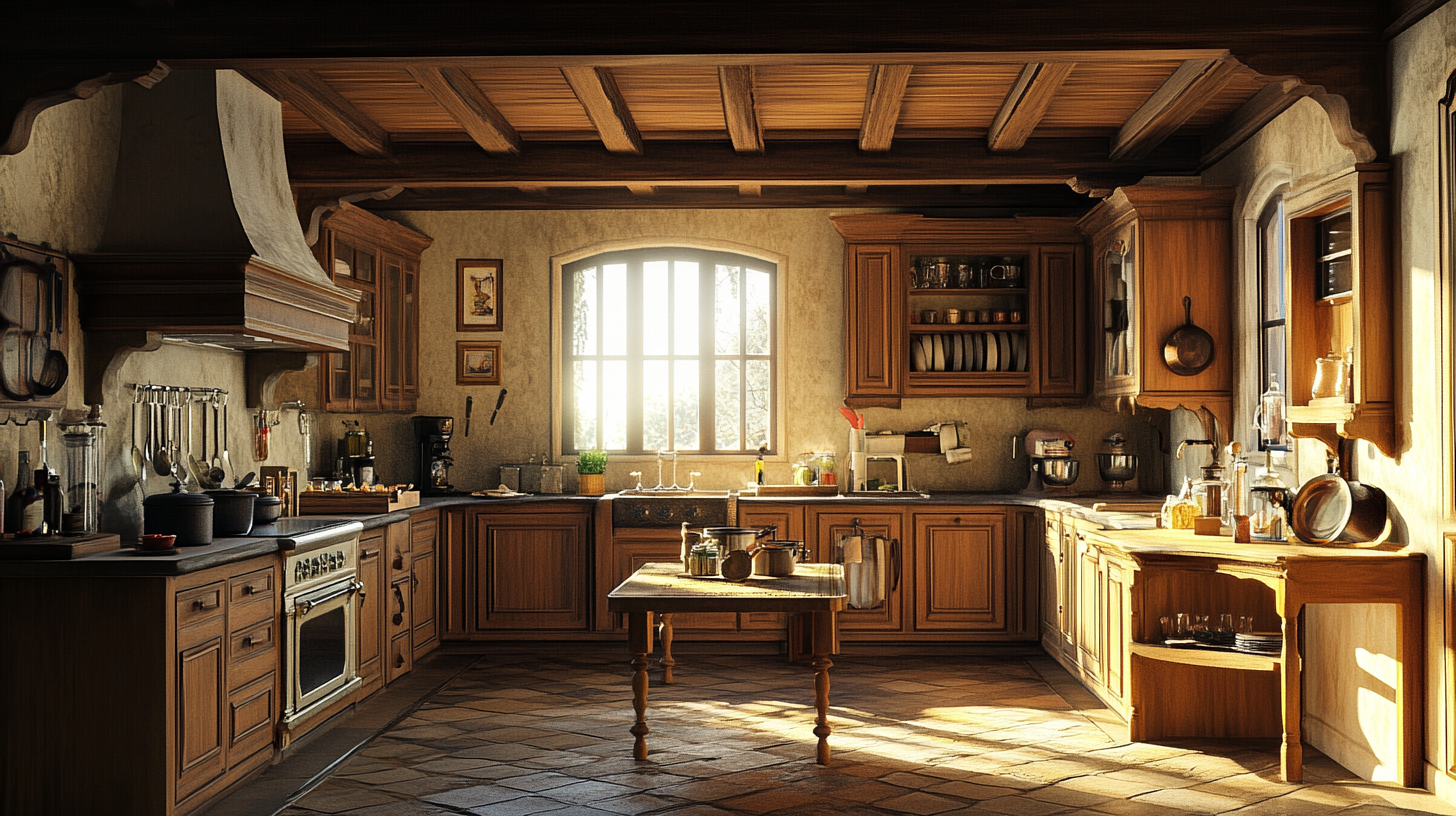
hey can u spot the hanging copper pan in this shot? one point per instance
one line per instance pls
(1189, 349)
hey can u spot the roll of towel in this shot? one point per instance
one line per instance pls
(957, 455)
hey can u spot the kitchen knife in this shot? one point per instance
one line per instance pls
(498, 401)
(469, 405)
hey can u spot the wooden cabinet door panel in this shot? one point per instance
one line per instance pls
(371, 610)
(530, 571)
(201, 755)
(1116, 593)
(399, 658)
(826, 527)
(424, 598)
(873, 293)
(960, 571)
(252, 710)
(1060, 352)
(1089, 608)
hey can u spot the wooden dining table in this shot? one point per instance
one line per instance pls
(814, 590)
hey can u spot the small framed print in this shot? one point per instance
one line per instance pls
(477, 363)
(478, 300)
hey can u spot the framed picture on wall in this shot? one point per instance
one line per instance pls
(477, 363)
(478, 300)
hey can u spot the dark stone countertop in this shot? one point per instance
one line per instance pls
(127, 562)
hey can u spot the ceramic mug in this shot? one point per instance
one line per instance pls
(1008, 276)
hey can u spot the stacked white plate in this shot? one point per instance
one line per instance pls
(971, 351)
(1264, 643)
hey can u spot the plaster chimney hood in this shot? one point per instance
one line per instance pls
(202, 242)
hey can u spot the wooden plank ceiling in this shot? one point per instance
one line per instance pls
(1033, 136)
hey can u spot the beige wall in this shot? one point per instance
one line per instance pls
(812, 351)
(1349, 650)
(58, 190)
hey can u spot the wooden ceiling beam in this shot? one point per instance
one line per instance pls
(596, 89)
(995, 201)
(1261, 109)
(1178, 98)
(1026, 104)
(326, 107)
(454, 90)
(740, 108)
(836, 163)
(884, 93)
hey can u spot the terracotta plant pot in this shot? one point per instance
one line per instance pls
(591, 484)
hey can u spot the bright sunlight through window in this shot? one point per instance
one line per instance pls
(668, 348)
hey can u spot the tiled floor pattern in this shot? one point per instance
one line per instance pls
(919, 736)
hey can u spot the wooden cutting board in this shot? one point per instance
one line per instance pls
(58, 548)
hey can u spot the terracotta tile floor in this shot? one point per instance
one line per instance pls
(915, 736)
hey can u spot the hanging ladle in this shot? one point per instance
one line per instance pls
(162, 458)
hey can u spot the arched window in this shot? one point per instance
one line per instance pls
(668, 348)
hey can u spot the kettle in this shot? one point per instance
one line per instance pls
(775, 559)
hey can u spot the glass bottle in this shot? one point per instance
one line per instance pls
(1185, 509)
(83, 498)
(24, 511)
(1270, 417)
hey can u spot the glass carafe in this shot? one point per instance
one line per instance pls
(1332, 377)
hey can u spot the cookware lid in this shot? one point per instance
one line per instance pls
(717, 531)
(1322, 509)
(780, 544)
(176, 499)
(268, 498)
(227, 492)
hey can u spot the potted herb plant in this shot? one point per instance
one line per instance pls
(591, 468)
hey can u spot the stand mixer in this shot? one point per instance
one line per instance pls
(1053, 470)
(1116, 466)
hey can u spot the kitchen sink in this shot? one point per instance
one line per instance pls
(701, 508)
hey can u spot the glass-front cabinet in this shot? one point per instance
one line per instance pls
(1161, 273)
(379, 260)
(963, 307)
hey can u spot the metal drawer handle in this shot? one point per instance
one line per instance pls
(398, 561)
(369, 553)
(399, 598)
(307, 604)
(398, 660)
(203, 606)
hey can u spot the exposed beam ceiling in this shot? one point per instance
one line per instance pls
(454, 90)
(597, 90)
(740, 112)
(1026, 104)
(1271, 100)
(836, 163)
(1170, 106)
(307, 91)
(884, 94)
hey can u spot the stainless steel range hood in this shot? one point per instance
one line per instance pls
(202, 242)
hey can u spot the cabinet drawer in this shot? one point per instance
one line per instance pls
(251, 712)
(251, 652)
(251, 598)
(400, 659)
(200, 604)
(422, 535)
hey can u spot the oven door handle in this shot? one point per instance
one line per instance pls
(305, 605)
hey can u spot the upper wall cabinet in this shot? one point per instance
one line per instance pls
(380, 259)
(961, 308)
(1342, 309)
(1160, 261)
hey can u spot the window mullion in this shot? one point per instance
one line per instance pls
(634, 354)
(707, 354)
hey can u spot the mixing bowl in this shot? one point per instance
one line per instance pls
(1059, 472)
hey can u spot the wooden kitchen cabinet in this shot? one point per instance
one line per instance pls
(825, 527)
(370, 613)
(516, 572)
(379, 260)
(1341, 300)
(424, 535)
(962, 570)
(1152, 246)
(398, 604)
(139, 695)
(886, 291)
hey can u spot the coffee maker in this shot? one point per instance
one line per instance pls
(433, 433)
(1053, 470)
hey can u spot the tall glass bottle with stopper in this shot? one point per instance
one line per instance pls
(1268, 494)
(24, 509)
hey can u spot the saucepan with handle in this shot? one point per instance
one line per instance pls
(1331, 510)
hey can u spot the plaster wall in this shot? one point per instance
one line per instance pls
(1351, 713)
(811, 355)
(59, 190)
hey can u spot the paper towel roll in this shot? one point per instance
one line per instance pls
(957, 455)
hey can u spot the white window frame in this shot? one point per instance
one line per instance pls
(1275, 180)
(558, 320)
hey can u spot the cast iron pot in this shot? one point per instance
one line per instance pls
(267, 509)
(233, 514)
(1330, 510)
(185, 515)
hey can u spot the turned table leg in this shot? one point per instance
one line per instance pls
(667, 661)
(823, 644)
(639, 643)
(1291, 750)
